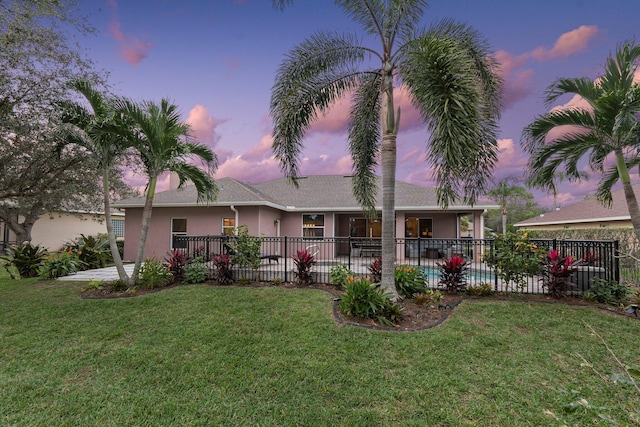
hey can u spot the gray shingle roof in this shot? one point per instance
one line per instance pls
(587, 210)
(327, 192)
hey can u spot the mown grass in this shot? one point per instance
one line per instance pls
(202, 355)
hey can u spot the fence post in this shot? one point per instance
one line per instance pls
(616, 261)
(286, 259)
(349, 253)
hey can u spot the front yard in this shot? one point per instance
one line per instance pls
(209, 355)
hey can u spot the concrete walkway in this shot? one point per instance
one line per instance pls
(107, 274)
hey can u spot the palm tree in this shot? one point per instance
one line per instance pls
(446, 69)
(607, 126)
(157, 137)
(93, 130)
(504, 193)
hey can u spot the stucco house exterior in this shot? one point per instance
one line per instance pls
(52, 230)
(588, 213)
(321, 207)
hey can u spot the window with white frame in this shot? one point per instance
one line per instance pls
(118, 227)
(178, 228)
(313, 226)
(228, 226)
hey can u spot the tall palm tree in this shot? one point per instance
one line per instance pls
(158, 138)
(449, 75)
(93, 129)
(608, 125)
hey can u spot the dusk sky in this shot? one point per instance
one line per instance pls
(217, 60)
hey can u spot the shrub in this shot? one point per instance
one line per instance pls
(453, 274)
(303, 261)
(366, 300)
(119, 286)
(94, 285)
(557, 270)
(375, 270)
(514, 258)
(246, 250)
(429, 297)
(176, 262)
(195, 272)
(608, 292)
(339, 274)
(409, 280)
(222, 269)
(154, 274)
(93, 252)
(26, 260)
(60, 264)
(480, 290)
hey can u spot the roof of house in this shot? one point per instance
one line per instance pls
(318, 192)
(587, 210)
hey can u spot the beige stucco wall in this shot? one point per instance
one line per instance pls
(54, 230)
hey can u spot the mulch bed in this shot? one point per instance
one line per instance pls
(415, 317)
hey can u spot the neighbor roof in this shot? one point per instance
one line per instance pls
(587, 210)
(318, 192)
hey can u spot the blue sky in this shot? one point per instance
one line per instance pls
(217, 60)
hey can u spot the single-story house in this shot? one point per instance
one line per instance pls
(588, 213)
(321, 207)
(52, 230)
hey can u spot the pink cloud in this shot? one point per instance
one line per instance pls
(568, 43)
(518, 82)
(231, 63)
(204, 125)
(132, 49)
(260, 150)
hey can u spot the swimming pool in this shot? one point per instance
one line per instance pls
(473, 275)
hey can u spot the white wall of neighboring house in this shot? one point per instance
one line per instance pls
(55, 229)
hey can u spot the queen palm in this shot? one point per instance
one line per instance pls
(607, 126)
(449, 75)
(93, 129)
(158, 138)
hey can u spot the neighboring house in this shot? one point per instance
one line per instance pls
(54, 229)
(588, 213)
(321, 207)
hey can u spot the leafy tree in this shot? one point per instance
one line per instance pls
(508, 195)
(38, 57)
(95, 131)
(449, 75)
(157, 138)
(607, 125)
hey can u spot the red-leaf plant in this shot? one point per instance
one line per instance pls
(303, 261)
(453, 274)
(222, 269)
(176, 262)
(375, 270)
(558, 270)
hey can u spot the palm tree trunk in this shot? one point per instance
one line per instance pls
(146, 221)
(388, 164)
(629, 194)
(115, 253)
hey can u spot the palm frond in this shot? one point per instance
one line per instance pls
(445, 83)
(205, 185)
(586, 88)
(364, 140)
(313, 76)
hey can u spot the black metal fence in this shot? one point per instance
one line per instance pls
(276, 255)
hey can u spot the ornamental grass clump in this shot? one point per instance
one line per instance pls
(453, 274)
(368, 301)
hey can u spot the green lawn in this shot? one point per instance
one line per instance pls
(203, 355)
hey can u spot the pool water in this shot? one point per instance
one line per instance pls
(473, 275)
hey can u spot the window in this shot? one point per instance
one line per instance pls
(313, 226)
(178, 228)
(418, 227)
(362, 227)
(228, 226)
(118, 227)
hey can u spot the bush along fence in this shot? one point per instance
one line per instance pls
(508, 263)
